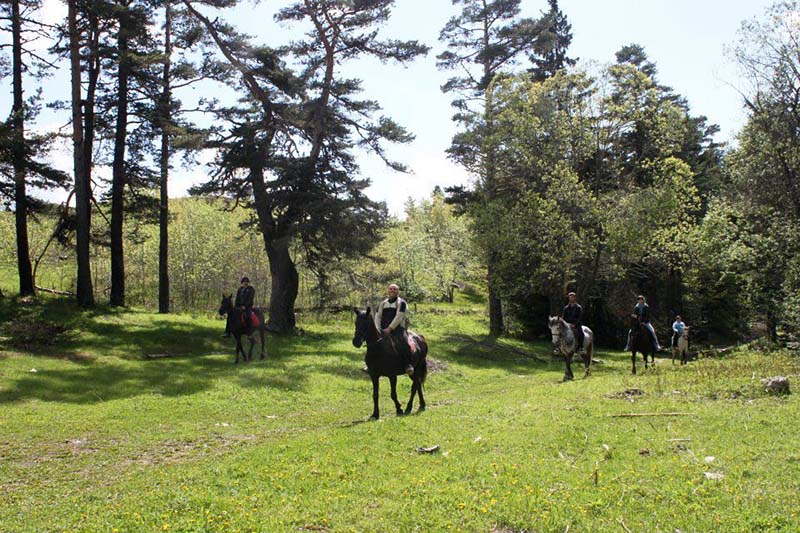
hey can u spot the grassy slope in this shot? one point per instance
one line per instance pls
(100, 438)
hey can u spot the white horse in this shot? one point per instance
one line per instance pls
(682, 348)
(564, 340)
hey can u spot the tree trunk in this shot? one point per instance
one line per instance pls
(285, 283)
(26, 283)
(163, 212)
(118, 178)
(84, 293)
(496, 326)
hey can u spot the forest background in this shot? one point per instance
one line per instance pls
(586, 177)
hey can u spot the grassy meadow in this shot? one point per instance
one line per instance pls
(98, 435)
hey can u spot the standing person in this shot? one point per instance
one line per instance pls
(677, 328)
(642, 313)
(390, 319)
(573, 315)
(245, 296)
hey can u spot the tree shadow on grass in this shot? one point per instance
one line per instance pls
(479, 351)
(179, 347)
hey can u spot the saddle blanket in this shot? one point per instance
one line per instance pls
(254, 321)
(413, 338)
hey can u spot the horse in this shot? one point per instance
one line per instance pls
(382, 359)
(682, 347)
(565, 341)
(641, 341)
(238, 328)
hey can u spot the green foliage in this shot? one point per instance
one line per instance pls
(430, 254)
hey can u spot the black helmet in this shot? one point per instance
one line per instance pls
(245, 279)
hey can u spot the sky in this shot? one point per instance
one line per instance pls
(686, 39)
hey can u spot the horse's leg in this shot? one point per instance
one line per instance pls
(414, 386)
(568, 373)
(250, 350)
(375, 387)
(397, 407)
(587, 359)
(419, 393)
(633, 361)
(238, 348)
(261, 331)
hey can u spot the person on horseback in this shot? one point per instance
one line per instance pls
(677, 328)
(244, 300)
(573, 315)
(390, 319)
(642, 313)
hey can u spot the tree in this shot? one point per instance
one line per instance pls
(82, 135)
(489, 36)
(17, 151)
(554, 57)
(768, 54)
(301, 134)
(133, 49)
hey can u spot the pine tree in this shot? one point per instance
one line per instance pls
(17, 151)
(311, 196)
(483, 41)
(554, 57)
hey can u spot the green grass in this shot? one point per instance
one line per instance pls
(101, 438)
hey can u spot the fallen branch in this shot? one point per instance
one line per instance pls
(679, 440)
(54, 291)
(629, 415)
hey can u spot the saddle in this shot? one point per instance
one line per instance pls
(254, 322)
(412, 341)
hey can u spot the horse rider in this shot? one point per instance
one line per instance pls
(390, 319)
(677, 330)
(573, 315)
(245, 296)
(642, 313)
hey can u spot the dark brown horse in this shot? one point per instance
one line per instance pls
(641, 341)
(238, 327)
(382, 359)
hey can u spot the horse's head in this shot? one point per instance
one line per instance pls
(554, 323)
(363, 324)
(226, 306)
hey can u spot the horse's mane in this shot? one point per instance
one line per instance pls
(372, 330)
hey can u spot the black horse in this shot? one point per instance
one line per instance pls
(238, 327)
(641, 341)
(382, 359)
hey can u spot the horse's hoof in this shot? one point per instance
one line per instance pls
(566, 378)
(374, 417)
(421, 408)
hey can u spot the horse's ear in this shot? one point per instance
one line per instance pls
(355, 310)
(369, 311)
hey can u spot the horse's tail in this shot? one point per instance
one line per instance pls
(421, 368)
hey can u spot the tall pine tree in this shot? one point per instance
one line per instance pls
(483, 41)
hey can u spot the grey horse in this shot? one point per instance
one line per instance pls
(564, 341)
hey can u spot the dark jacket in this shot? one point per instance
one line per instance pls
(573, 314)
(642, 312)
(245, 297)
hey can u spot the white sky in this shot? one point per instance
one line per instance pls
(684, 38)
